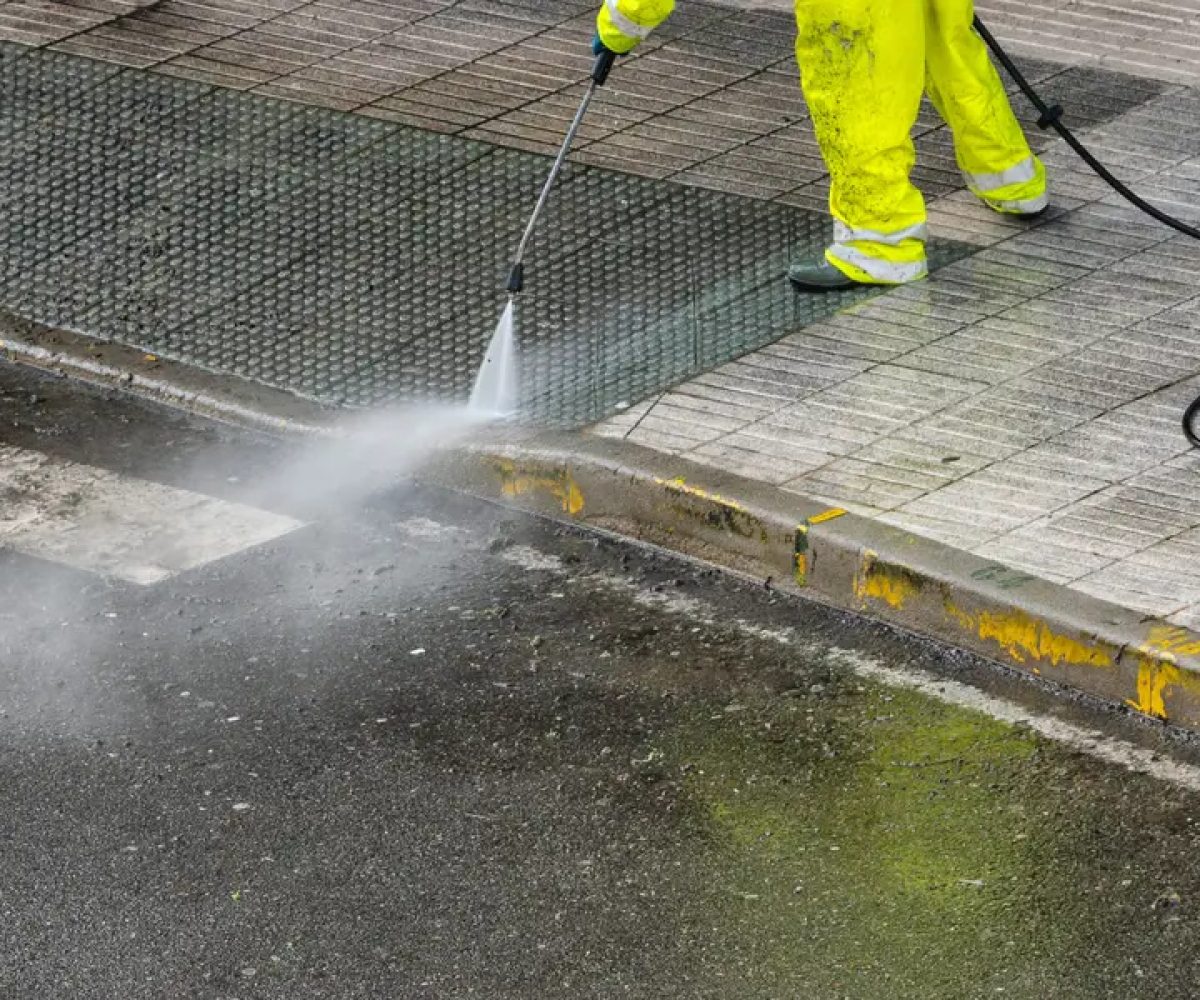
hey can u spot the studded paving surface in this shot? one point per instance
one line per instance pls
(1024, 404)
(361, 261)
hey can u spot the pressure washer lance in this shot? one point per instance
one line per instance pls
(497, 389)
(1051, 117)
(600, 71)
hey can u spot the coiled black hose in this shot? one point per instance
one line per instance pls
(1051, 117)
(1191, 423)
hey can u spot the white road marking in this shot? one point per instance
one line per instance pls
(423, 527)
(118, 526)
(1109, 749)
(1091, 742)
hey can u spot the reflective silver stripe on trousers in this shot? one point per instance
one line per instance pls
(844, 234)
(1026, 206)
(885, 271)
(622, 23)
(1024, 171)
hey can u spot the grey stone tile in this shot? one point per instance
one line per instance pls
(975, 511)
(745, 461)
(1142, 588)
(797, 453)
(1058, 559)
(902, 451)
(1187, 618)
(665, 441)
(690, 418)
(720, 383)
(954, 534)
(734, 410)
(857, 487)
(663, 421)
(757, 381)
(825, 366)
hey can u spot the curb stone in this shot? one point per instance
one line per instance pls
(189, 387)
(797, 544)
(847, 561)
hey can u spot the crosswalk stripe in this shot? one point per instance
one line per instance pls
(118, 526)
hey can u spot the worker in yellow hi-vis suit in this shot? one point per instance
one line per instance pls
(863, 66)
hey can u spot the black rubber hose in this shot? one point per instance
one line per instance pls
(1191, 423)
(1051, 117)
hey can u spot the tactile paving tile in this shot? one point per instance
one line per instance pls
(346, 330)
(360, 262)
(57, 193)
(130, 102)
(474, 218)
(41, 83)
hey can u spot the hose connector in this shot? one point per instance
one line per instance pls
(603, 66)
(516, 279)
(1051, 116)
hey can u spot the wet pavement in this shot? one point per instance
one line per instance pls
(423, 747)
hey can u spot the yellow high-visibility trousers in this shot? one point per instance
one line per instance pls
(863, 66)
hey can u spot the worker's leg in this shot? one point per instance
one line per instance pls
(862, 67)
(966, 89)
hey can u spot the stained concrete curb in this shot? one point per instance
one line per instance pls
(799, 545)
(188, 387)
(846, 561)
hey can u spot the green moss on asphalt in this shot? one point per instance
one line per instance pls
(884, 848)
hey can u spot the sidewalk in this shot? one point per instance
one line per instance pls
(1022, 405)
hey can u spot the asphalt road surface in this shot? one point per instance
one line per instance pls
(265, 733)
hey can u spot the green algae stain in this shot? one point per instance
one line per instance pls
(892, 840)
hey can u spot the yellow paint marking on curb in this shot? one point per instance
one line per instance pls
(1174, 640)
(1159, 670)
(713, 510)
(558, 483)
(829, 515)
(890, 584)
(800, 550)
(1022, 636)
(1154, 677)
(803, 561)
(681, 485)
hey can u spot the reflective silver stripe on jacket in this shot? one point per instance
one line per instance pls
(1024, 171)
(885, 271)
(845, 234)
(622, 23)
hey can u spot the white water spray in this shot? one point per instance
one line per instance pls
(498, 384)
